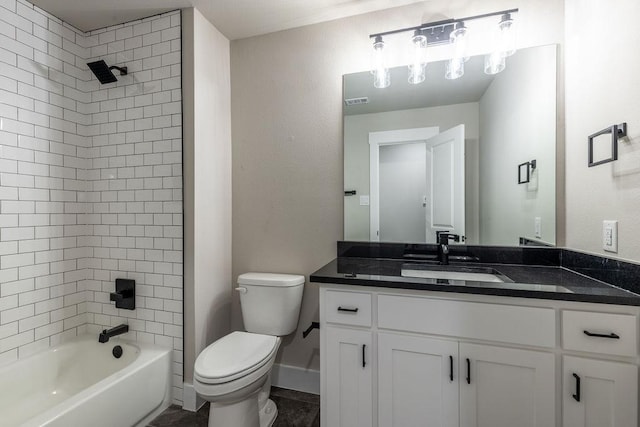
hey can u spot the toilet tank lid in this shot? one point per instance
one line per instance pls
(270, 279)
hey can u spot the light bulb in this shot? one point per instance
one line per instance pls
(418, 66)
(507, 37)
(381, 76)
(494, 63)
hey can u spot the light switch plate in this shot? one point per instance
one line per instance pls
(364, 200)
(610, 236)
(538, 227)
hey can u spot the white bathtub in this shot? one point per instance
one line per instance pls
(81, 383)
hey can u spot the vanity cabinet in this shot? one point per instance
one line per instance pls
(424, 381)
(502, 387)
(348, 357)
(396, 357)
(417, 381)
(597, 392)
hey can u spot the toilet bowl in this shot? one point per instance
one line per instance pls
(234, 372)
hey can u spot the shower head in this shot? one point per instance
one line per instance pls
(103, 71)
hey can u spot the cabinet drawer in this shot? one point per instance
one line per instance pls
(495, 322)
(348, 308)
(605, 333)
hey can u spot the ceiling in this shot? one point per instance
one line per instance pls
(236, 19)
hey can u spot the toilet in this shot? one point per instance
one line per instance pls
(234, 373)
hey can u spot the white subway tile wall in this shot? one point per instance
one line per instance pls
(90, 181)
(134, 183)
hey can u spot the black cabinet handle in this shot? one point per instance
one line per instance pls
(577, 395)
(350, 310)
(611, 335)
(468, 371)
(364, 363)
(451, 368)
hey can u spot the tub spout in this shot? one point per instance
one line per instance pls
(108, 333)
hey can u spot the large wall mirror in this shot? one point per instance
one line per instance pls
(475, 156)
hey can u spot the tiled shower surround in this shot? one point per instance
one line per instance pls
(90, 181)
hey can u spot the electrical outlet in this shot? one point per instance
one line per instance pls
(610, 236)
(364, 200)
(538, 227)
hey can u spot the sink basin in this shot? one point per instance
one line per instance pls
(449, 272)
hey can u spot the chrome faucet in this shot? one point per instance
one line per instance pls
(108, 333)
(443, 246)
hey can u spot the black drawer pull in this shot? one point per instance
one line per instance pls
(364, 363)
(577, 395)
(468, 371)
(349, 310)
(611, 335)
(451, 368)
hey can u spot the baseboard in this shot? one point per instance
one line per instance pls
(191, 401)
(294, 378)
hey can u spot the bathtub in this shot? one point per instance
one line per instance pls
(80, 383)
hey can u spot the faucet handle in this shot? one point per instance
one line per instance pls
(444, 237)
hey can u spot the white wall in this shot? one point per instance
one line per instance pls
(513, 132)
(287, 138)
(207, 160)
(356, 158)
(602, 81)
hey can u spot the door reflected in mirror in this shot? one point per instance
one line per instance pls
(443, 155)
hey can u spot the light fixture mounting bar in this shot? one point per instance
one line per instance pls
(445, 25)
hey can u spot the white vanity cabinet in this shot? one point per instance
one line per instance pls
(458, 360)
(599, 392)
(417, 381)
(350, 402)
(503, 387)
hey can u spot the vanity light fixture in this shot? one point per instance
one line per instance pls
(505, 44)
(381, 77)
(455, 66)
(418, 66)
(449, 31)
(507, 35)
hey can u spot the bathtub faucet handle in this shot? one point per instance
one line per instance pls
(125, 294)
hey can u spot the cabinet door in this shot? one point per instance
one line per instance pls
(348, 376)
(417, 381)
(505, 387)
(607, 395)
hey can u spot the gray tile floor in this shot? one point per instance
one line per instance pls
(295, 409)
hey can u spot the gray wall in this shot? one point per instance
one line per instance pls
(513, 132)
(287, 138)
(598, 95)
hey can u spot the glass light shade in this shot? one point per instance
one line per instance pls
(507, 37)
(418, 66)
(458, 38)
(494, 63)
(381, 78)
(455, 69)
(381, 75)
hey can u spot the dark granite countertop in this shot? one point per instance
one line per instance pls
(527, 281)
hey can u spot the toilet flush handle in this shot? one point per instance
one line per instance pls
(241, 289)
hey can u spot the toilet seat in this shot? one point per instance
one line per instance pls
(234, 356)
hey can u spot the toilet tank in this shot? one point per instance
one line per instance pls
(270, 302)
